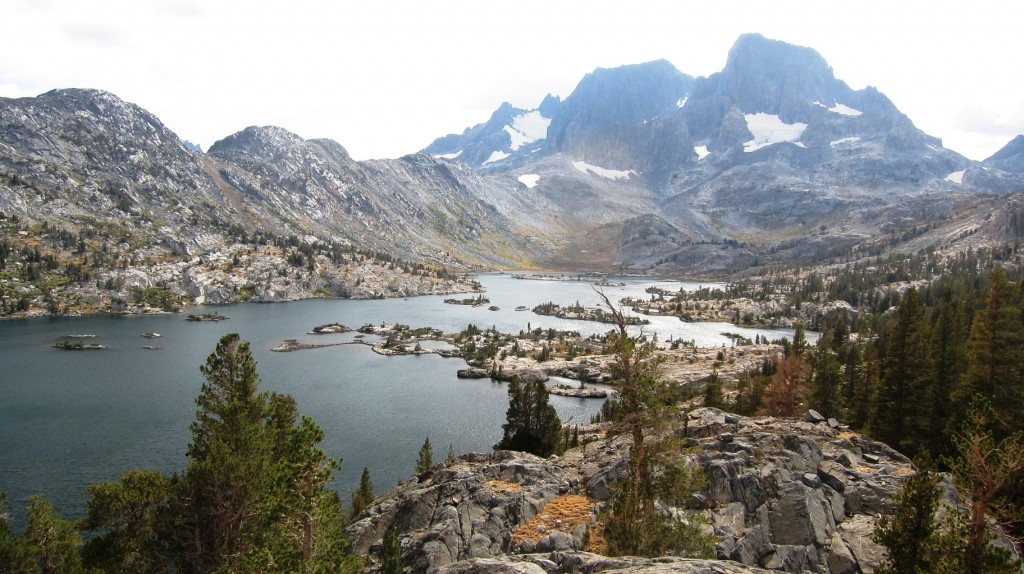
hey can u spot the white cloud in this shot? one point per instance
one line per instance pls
(10, 91)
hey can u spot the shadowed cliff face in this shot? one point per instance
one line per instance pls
(782, 494)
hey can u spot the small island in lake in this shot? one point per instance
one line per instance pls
(290, 345)
(78, 346)
(582, 313)
(579, 392)
(329, 328)
(152, 335)
(207, 317)
(473, 301)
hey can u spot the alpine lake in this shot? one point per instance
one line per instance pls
(72, 418)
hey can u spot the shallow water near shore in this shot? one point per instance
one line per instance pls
(71, 418)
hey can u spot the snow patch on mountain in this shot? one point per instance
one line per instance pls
(702, 151)
(841, 109)
(529, 179)
(496, 155)
(527, 128)
(769, 129)
(452, 155)
(585, 167)
(956, 177)
(844, 141)
(681, 101)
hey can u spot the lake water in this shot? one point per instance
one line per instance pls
(68, 419)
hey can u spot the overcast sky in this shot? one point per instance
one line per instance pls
(384, 78)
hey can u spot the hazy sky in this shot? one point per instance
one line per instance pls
(384, 78)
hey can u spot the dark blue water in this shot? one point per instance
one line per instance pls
(68, 419)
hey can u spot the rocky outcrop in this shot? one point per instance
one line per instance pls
(587, 563)
(782, 494)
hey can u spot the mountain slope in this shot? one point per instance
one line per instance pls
(1010, 158)
(509, 136)
(101, 206)
(773, 153)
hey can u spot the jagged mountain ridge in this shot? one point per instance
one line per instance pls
(1010, 158)
(641, 169)
(86, 153)
(772, 150)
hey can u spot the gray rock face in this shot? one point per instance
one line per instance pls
(506, 140)
(84, 160)
(704, 168)
(1010, 158)
(782, 495)
(585, 563)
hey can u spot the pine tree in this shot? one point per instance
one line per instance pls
(254, 488)
(947, 346)
(13, 557)
(125, 515)
(532, 424)
(984, 470)
(425, 461)
(391, 554)
(995, 355)
(52, 542)
(896, 417)
(713, 396)
(909, 533)
(635, 525)
(826, 383)
(450, 459)
(785, 393)
(363, 496)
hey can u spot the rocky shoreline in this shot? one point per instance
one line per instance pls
(782, 494)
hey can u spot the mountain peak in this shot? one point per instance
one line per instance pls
(770, 76)
(1010, 158)
(622, 96)
(254, 136)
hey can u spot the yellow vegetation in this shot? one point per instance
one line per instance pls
(503, 487)
(565, 514)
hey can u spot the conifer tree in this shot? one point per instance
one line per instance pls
(826, 383)
(532, 424)
(896, 417)
(450, 459)
(125, 515)
(947, 356)
(984, 469)
(391, 554)
(786, 391)
(52, 542)
(254, 488)
(363, 496)
(634, 524)
(995, 355)
(713, 396)
(909, 533)
(14, 557)
(425, 461)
